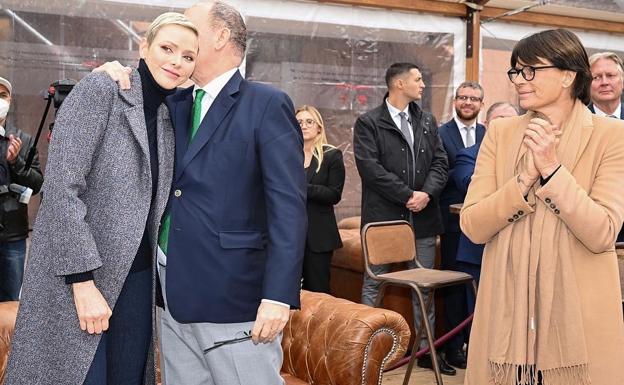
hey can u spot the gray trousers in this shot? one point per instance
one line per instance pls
(425, 249)
(185, 362)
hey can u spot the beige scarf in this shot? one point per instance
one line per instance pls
(536, 315)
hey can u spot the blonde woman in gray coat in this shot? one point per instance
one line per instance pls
(86, 311)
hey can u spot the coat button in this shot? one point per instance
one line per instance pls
(552, 206)
(510, 220)
(547, 200)
(422, 150)
(557, 211)
(417, 171)
(402, 149)
(177, 193)
(403, 171)
(520, 212)
(515, 216)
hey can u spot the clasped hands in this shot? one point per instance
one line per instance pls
(541, 139)
(417, 201)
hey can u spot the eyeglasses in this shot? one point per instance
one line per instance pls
(307, 122)
(217, 344)
(464, 98)
(528, 72)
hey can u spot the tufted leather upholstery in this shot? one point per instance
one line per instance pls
(332, 341)
(8, 313)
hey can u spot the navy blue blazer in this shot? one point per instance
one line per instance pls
(620, 237)
(464, 168)
(237, 205)
(591, 108)
(452, 141)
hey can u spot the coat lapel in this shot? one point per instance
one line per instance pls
(311, 170)
(217, 112)
(134, 113)
(455, 135)
(166, 150)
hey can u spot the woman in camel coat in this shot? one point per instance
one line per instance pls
(547, 200)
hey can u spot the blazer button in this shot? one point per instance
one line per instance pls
(547, 200)
(510, 220)
(177, 193)
(520, 212)
(552, 206)
(557, 211)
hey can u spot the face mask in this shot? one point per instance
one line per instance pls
(4, 108)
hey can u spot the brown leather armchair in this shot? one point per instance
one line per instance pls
(332, 341)
(8, 313)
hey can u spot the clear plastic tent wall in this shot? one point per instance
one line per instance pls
(329, 56)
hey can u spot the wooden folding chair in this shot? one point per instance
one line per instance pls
(394, 242)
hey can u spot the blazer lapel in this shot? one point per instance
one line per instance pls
(215, 115)
(480, 133)
(181, 113)
(456, 136)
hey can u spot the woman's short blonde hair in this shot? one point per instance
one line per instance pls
(168, 18)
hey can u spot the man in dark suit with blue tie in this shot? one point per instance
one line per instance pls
(460, 132)
(606, 90)
(232, 238)
(469, 254)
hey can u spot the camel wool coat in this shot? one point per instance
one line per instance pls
(588, 199)
(96, 205)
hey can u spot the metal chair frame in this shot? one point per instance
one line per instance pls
(454, 278)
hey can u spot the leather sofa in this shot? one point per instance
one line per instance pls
(330, 341)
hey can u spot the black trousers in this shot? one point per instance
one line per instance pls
(455, 303)
(122, 353)
(316, 268)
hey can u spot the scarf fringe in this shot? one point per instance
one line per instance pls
(513, 374)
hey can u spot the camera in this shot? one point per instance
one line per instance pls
(59, 90)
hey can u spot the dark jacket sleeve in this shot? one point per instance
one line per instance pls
(438, 171)
(372, 172)
(33, 177)
(464, 168)
(332, 192)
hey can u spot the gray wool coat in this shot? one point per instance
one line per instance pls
(96, 204)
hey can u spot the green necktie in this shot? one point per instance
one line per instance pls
(163, 238)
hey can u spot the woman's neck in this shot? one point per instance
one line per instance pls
(560, 112)
(308, 146)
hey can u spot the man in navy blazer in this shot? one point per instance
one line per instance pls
(460, 132)
(469, 254)
(233, 236)
(606, 90)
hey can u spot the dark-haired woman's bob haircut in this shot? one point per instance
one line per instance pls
(563, 49)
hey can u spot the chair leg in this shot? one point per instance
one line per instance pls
(424, 308)
(380, 295)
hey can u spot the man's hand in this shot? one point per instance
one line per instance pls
(117, 72)
(15, 144)
(418, 201)
(270, 321)
(91, 307)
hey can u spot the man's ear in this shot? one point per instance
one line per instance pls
(223, 37)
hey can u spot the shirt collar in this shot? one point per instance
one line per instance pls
(617, 113)
(216, 85)
(395, 111)
(461, 125)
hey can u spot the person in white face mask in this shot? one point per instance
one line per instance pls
(14, 211)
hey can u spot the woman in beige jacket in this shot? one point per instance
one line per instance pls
(547, 199)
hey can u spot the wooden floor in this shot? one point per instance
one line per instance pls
(420, 376)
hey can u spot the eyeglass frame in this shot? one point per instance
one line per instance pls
(513, 73)
(218, 344)
(308, 122)
(465, 98)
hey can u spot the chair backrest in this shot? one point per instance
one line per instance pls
(388, 242)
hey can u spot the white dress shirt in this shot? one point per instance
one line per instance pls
(212, 90)
(463, 130)
(396, 118)
(617, 113)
